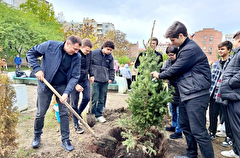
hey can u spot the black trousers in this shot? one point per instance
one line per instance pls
(216, 109)
(192, 118)
(233, 111)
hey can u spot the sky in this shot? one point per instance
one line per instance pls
(135, 17)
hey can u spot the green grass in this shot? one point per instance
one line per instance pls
(22, 118)
(50, 119)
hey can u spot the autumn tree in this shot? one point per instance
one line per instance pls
(122, 45)
(83, 31)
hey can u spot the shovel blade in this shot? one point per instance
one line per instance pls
(91, 121)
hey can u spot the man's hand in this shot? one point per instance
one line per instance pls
(64, 98)
(39, 75)
(91, 79)
(109, 81)
(79, 88)
(155, 74)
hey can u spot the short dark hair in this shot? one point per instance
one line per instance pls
(109, 44)
(237, 35)
(172, 49)
(175, 29)
(74, 39)
(228, 44)
(153, 39)
(87, 42)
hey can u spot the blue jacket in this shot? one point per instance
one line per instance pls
(103, 66)
(192, 70)
(230, 87)
(126, 72)
(17, 60)
(51, 52)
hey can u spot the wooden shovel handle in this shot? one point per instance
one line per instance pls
(70, 108)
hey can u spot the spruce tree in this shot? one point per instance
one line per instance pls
(148, 102)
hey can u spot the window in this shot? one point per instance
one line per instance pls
(204, 42)
(106, 26)
(205, 37)
(210, 42)
(204, 48)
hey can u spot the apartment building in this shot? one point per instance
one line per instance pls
(100, 28)
(134, 51)
(208, 39)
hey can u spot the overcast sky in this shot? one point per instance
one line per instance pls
(135, 17)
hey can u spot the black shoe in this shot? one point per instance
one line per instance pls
(67, 145)
(36, 141)
(79, 130)
(227, 142)
(212, 136)
(176, 135)
(171, 129)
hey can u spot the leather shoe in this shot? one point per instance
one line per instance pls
(176, 135)
(171, 129)
(36, 141)
(66, 144)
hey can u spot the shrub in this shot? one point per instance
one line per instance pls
(8, 118)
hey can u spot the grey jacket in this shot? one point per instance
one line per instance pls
(230, 87)
(103, 66)
(192, 70)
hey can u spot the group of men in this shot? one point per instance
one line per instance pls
(71, 67)
(67, 65)
(197, 83)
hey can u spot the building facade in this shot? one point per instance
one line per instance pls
(134, 51)
(208, 40)
(100, 28)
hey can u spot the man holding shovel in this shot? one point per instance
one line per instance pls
(83, 83)
(61, 68)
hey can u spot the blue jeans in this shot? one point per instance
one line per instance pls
(174, 109)
(99, 91)
(75, 99)
(43, 102)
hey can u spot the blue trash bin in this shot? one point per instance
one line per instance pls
(55, 107)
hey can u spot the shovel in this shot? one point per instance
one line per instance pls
(90, 117)
(70, 108)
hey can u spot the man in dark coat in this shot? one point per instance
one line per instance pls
(61, 68)
(194, 80)
(153, 46)
(230, 91)
(83, 82)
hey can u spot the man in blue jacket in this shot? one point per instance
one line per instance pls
(194, 80)
(104, 73)
(83, 82)
(230, 91)
(61, 68)
(18, 62)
